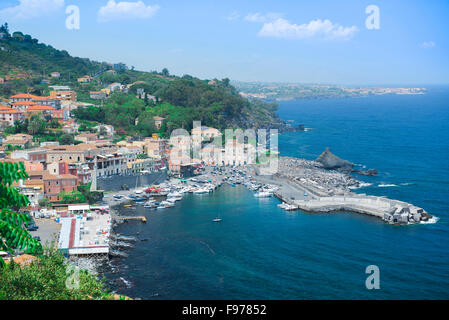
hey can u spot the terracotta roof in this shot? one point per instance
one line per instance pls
(158, 118)
(9, 110)
(24, 103)
(48, 176)
(32, 108)
(24, 259)
(43, 98)
(23, 95)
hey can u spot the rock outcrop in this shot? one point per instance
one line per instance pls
(369, 172)
(332, 162)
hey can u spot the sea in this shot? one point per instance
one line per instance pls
(259, 251)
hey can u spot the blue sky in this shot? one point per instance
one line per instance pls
(288, 41)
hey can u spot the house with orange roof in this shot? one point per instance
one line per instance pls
(36, 109)
(48, 101)
(23, 105)
(85, 79)
(21, 97)
(10, 115)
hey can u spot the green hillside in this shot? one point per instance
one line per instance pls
(26, 65)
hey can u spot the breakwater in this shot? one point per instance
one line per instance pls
(308, 187)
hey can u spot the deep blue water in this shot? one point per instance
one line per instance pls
(261, 252)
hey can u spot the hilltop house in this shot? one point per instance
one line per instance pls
(158, 122)
(63, 95)
(85, 79)
(97, 95)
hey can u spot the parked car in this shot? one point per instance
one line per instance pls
(32, 227)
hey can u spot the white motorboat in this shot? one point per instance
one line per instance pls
(263, 194)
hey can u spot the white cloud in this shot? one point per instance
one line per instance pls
(324, 29)
(427, 44)
(126, 10)
(28, 9)
(233, 16)
(257, 17)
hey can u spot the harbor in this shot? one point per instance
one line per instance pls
(299, 184)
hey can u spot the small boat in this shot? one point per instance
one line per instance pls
(263, 194)
(128, 206)
(217, 220)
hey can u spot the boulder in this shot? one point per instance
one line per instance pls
(333, 162)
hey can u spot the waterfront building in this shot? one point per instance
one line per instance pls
(54, 184)
(108, 165)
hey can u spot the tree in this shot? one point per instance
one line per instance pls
(165, 72)
(44, 202)
(72, 197)
(37, 125)
(66, 139)
(13, 232)
(46, 278)
(4, 28)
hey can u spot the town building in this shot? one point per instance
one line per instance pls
(21, 97)
(97, 95)
(86, 137)
(20, 140)
(85, 79)
(9, 115)
(63, 95)
(158, 122)
(55, 184)
(48, 101)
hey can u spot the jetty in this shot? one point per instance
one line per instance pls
(305, 185)
(141, 218)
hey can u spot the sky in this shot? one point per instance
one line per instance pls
(320, 41)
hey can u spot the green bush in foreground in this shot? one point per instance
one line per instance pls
(46, 279)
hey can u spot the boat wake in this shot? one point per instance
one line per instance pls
(431, 220)
(361, 185)
(386, 185)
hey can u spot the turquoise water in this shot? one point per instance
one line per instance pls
(261, 252)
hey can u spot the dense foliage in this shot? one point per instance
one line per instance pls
(180, 100)
(46, 279)
(13, 232)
